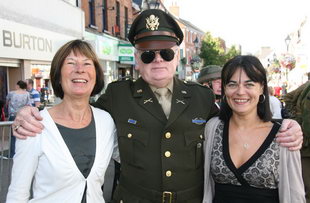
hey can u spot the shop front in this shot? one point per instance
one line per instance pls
(26, 52)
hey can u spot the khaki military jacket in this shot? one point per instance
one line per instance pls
(160, 158)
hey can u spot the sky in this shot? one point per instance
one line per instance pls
(250, 23)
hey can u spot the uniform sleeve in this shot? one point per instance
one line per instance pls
(105, 100)
(25, 163)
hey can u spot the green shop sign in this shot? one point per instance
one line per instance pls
(126, 53)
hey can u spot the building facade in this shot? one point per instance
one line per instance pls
(30, 33)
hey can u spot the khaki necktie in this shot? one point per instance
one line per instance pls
(164, 101)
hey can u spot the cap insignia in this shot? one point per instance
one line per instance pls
(152, 22)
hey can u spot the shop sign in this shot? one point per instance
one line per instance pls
(126, 54)
(106, 47)
(26, 42)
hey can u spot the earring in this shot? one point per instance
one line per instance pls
(264, 98)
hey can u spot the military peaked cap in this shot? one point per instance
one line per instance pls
(209, 73)
(155, 29)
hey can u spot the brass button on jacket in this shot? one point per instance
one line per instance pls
(167, 154)
(168, 173)
(129, 135)
(168, 135)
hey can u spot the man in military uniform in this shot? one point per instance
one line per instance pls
(159, 119)
(160, 139)
(297, 104)
(211, 76)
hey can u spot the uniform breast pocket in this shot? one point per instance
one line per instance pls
(194, 143)
(132, 142)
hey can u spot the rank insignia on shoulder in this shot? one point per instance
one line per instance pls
(198, 121)
(132, 121)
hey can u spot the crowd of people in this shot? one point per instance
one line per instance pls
(175, 140)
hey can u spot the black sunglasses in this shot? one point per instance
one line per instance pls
(148, 56)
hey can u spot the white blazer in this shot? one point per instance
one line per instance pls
(47, 159)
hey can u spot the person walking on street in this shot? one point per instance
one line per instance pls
(34, 94)
(15, 100)
(159, 119)
(275, 104)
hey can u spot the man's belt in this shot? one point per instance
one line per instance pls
(164, 196)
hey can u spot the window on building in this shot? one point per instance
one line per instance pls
(118, 19)
(126, 22)
(104, 16)
(91, 4)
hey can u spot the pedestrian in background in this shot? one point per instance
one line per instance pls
(159, 119)
(211, 76)
(15, 100)
(35, 96)
(243, 161)
(68, 160)
(275, 104)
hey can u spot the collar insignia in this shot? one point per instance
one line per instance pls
(183, 92)
(198, 121)
(139, 91)
(180, 101)
(152, 22)
(150, 100)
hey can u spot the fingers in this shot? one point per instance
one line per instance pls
(293, 142)
(290, 125)
(26, 123)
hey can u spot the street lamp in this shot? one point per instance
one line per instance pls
(196, 43)
(287, 42)
(153, 4)
(196, 61)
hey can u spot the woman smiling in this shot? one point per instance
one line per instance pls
(68, 161)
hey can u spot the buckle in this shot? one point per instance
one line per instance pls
(167, 197)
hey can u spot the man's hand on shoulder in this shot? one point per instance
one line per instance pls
(27, 123)
(290, 135)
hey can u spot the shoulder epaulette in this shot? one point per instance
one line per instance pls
(193, 83)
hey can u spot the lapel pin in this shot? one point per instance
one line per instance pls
(150, 100)
(180, 101)
(198, 121)
(132, 121)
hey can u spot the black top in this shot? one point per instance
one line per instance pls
(82, 146)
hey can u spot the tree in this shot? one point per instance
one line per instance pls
(213, 53)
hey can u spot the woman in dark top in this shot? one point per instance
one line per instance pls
(243, 162)
(68, 160)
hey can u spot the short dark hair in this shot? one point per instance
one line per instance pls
(256, 72)
(30, 81)
(81, 47)
(22, 84)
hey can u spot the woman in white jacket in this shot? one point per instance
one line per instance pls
(243, 161)
(67, 162)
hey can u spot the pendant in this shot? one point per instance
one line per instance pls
(246, 146)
